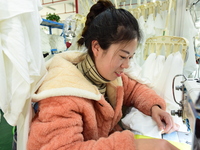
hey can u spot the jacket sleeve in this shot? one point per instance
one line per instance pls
(60, 125)
(140, 96)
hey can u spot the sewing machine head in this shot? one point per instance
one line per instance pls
(190, 109)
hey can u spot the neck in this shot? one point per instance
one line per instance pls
(88, 69)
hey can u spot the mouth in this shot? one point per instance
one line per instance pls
(118, 73)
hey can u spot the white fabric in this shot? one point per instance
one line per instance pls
(134, 72)
(21, 62)
(160, 73)
(142, 25)
(148, 67)
(11, 8)
(189, 31)
(150, 24)
(139, 52)
(57, 42)
(171, 24)
(45, 45)
(159, 25)
(144, 124)
(164, 16)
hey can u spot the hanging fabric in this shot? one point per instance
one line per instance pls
(166, 31)
(22, 63)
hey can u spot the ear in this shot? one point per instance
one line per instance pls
(95, 48)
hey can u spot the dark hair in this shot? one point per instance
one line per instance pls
(108, 25)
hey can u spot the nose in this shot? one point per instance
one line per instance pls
(125, 64)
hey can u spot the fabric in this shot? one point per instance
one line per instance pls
(189, 31)
(171, 25)
(147, 128)
(45, 45)
(150, 24)
(159, 25)
(12, 8)
(164, 15)
(139, 52)
(148, 68)
(57, 42)
(134, 72)
(87, 67)
(74, 115)
(22, 64)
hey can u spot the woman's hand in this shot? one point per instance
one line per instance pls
(163, 120)
(154, 144)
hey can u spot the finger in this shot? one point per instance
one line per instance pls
(168, 123)
(160, 124)
(175, 127)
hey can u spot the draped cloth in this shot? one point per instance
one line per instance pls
(21, 62)
(189, 31)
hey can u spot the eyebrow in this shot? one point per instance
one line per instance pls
(124, 51)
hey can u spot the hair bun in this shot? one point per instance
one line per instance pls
(106, 3)
(95, 10)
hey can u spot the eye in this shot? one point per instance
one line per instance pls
(131, 57)
(123, 57)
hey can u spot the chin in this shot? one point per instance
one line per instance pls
(113, 78)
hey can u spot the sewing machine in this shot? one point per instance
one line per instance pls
(190, 109)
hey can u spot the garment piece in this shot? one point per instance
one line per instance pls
(171, 25)
(12, 8)
(150, 24)
(164, 14)
(134, 72)
(189, 31)
(22, 56)
(45, 45)
(87, 67)
(148, 68)
(57, 42)
(139, 54)
(144, 125)
(22, 63)
(159, 25)
(74, 115)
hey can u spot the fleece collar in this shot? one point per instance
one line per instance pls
(64, 79)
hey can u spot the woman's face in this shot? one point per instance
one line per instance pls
(112, 62)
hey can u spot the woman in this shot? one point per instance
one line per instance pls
(81, 98)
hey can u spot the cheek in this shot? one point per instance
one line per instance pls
(116, 63)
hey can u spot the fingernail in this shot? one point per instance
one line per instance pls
(162, 131)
